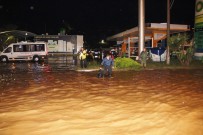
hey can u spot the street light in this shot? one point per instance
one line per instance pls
(26, 36)
(141, 23)
(102, 41)
(168, 33)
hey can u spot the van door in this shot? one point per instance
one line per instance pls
(7, 54)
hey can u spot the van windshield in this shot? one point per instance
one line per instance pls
(8, 50)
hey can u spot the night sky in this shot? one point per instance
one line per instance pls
(95, 19)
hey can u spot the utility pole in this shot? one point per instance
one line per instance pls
(141, 25)
(168, 33)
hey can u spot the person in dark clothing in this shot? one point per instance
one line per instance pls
(107, 63)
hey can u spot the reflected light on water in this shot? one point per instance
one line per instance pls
(156, 102)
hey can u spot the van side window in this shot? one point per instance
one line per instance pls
(26, 48)
(8, 50)
(21, 48)
(16, 48)
(37, 47)
(42, 47)
(29, 48)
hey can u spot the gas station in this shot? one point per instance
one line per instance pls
(155, 36)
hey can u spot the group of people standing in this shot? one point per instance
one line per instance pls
(108, 61)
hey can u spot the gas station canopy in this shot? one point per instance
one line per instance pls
(153, 30)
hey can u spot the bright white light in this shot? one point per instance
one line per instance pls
(102, 42)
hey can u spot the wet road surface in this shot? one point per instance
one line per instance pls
(42, 100)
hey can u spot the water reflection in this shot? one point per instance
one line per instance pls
(150, 102)
(52, 64)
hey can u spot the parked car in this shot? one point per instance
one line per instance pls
(96, 54)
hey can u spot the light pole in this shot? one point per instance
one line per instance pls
(168, 33)
(141, 25)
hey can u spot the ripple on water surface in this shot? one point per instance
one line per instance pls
(150, 102)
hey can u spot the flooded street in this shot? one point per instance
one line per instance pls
(43, 100)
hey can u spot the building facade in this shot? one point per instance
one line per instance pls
(62, 43)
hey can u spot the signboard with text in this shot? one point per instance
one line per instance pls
(199, 26)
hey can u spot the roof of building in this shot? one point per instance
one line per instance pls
(149, 29)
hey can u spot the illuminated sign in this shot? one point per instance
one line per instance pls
(199, 25)
(199, 7)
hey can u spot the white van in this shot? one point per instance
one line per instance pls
(27, 51)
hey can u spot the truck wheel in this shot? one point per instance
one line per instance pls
(4, 59)
(36, 58)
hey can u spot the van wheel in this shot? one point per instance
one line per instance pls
(4, 59)
(36, 58)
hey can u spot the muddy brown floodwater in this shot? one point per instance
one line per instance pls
(150, 102)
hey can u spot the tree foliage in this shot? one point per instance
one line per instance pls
(182, 45)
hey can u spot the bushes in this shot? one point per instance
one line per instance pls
(126, 63)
